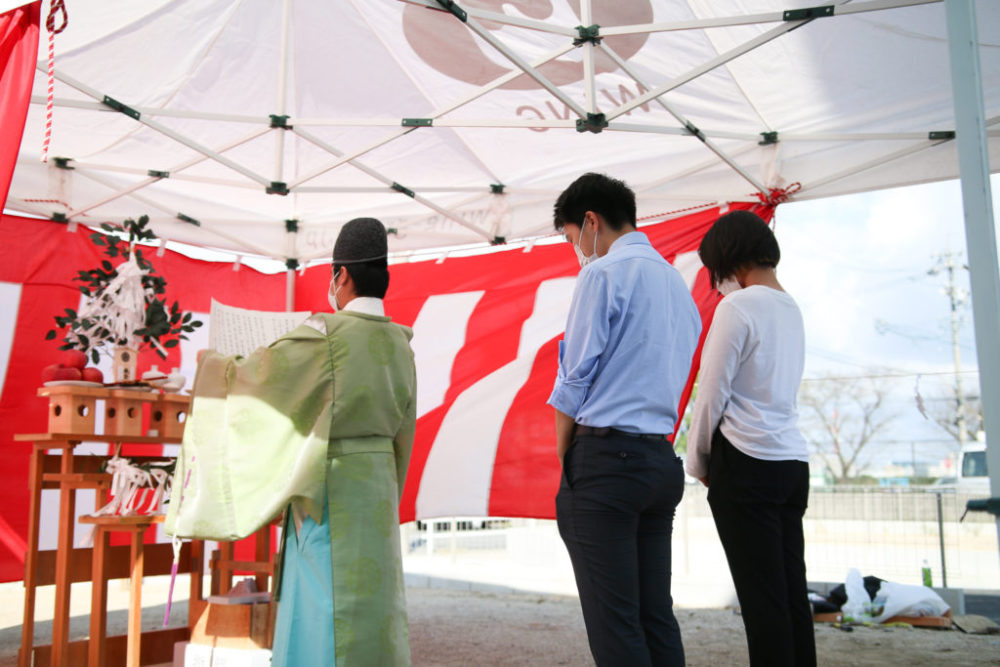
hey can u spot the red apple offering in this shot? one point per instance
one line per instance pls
(74, 359)
(91, 374)
(49, 372)
(67, 373)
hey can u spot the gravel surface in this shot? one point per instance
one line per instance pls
(468, 628)
(455, 627)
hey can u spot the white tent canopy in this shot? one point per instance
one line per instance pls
(225, 120)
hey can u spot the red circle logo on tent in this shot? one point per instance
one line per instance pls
(447, 45)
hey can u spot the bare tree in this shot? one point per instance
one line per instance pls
(840, 418)
(944, 411)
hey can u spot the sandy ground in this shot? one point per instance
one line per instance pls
(454, 627)
(469, 628)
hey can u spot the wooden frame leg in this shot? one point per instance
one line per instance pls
(135, 598)
(262, 554)
(67, 519)
(225, 568)
(98, 600)
(31, 557)
(197, 571)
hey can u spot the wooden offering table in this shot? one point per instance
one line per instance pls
(135, 525)
(72, 410)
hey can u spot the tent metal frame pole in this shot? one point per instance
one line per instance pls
(753, 19)
(483, 90)
(589, 87)
(176, 136)
(525, 67)
(686, 123)
(871, 164)
(980, 230)
(205, 227)
(151, 180)
(706, 67)
(291, 236)
(388, 181)
(152, 111)
(463, 139)
(505, 19)
(289, 290)
(694, 24)
(507, 123)
(344, 190)
(279, 141)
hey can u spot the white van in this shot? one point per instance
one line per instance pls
(972, 475)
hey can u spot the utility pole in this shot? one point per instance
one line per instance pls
(947, 263)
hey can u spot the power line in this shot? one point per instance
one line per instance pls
(879, 376)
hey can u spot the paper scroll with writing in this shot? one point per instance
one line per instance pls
(241, 331)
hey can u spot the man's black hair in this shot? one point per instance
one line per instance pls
(737, 240)
(609, 197)
(370, 278)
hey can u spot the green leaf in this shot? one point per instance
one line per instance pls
(187, 318)
(66, 346)
(84, 341)
(196, 323)
(95, 357)
(71, 313)
(106, 265)
(50, 335)
(171, 343)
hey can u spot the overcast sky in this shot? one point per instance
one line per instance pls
(852, 261)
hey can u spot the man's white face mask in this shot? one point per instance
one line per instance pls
(331, 294)
(584, 259)
(728, 286)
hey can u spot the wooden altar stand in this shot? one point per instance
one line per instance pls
(71, 422)
(71, 411)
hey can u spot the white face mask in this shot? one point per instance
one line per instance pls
(728, 286)
(331, 294)
(584, 259)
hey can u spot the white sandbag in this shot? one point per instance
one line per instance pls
(859, 605)
(906, 600)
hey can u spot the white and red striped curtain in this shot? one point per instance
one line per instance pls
(485, 337)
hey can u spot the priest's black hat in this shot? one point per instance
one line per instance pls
(361, 240)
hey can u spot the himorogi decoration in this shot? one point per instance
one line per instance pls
(124, 308)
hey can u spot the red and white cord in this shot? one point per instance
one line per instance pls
(53, 30)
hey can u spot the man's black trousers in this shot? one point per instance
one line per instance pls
(758, 507)
(615, 510)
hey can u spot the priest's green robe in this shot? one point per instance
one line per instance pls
(322, 419)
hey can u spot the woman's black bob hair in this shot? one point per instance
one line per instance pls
(737, 240)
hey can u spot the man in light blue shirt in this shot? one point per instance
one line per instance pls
(630, 338)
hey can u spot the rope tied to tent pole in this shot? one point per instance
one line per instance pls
(57, 7)
(775, 196)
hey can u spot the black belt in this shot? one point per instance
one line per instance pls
(605, 431)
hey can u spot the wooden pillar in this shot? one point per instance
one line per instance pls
(98, 599)
(67, 519)
(135, 597)
(31, 557)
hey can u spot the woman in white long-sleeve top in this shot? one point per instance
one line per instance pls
(745, 444)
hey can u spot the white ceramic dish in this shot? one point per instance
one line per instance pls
(71, 383)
